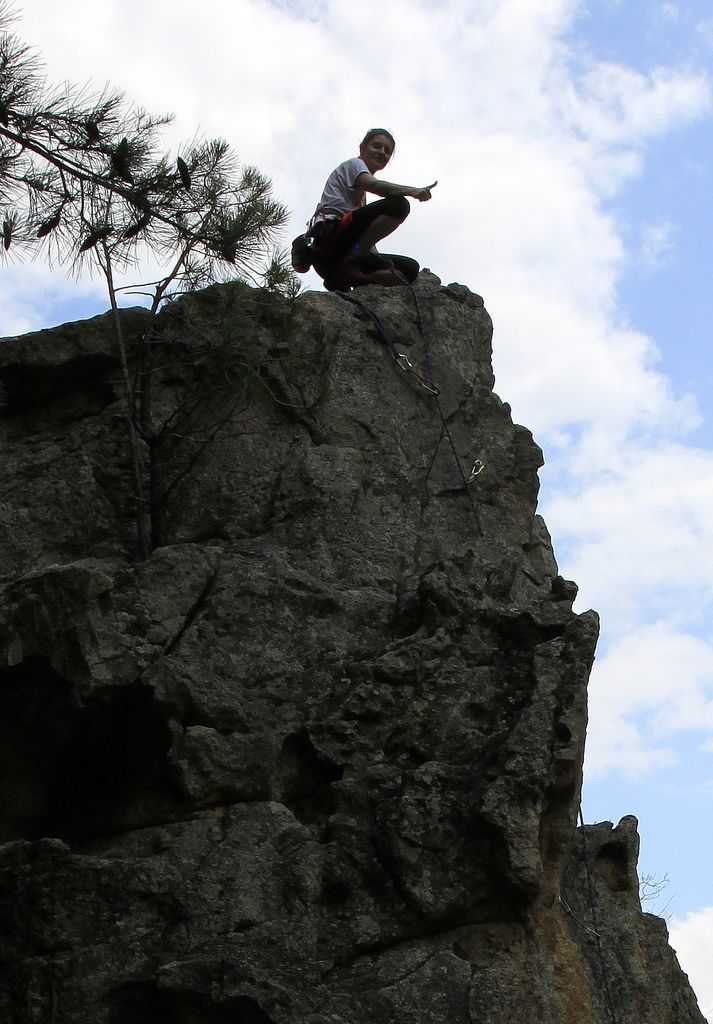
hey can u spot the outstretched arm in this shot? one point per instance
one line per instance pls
(369, 183)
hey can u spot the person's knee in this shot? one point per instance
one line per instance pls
(397, 206)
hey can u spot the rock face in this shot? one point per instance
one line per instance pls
(318, 759)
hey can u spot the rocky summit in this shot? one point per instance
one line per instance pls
(317, 758)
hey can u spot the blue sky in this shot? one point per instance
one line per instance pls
(674, 190)
(572, 145)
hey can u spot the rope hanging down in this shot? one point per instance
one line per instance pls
(427, 382)
(400, 358)
(595, 923)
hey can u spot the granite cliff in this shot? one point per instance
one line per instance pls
(318, 759)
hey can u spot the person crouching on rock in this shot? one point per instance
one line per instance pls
(341, 239)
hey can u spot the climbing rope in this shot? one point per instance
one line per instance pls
(595, 924)
(427, 382)
(400, 358)
(478, 466)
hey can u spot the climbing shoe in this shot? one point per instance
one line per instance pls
(337, 283)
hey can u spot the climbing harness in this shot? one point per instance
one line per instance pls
(313, 247)
(426, 381)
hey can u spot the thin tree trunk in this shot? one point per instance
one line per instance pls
(142, 533)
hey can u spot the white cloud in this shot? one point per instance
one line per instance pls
(692, 938)
(652, 683)
(657, 242)
(31, 295)
(614, 105)
(704, 29)
(638, 525)
(670, 11)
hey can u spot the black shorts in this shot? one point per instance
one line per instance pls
(334, 240)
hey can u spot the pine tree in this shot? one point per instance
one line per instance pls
(84, 182)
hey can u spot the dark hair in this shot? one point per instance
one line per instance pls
(373, 132)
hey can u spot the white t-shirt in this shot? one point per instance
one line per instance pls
(339, 195)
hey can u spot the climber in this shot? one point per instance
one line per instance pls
(340, 242)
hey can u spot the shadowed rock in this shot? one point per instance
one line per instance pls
(318, 759)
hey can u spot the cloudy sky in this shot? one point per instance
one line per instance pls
(572, 145)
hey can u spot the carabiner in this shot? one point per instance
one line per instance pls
(478, 468)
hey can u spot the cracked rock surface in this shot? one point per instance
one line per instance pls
(318, 759)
